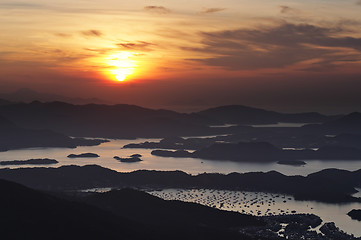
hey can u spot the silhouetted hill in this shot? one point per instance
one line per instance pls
(36, 161)
(237, 114)
(4, 102)
(126, 121)
(330, 185)
(264, 152)
(350, 123)
(125, 214)
(29, 214)
(129, 121)
(27, 95)
(257, 151)
(174, 143)
(151, 209)
(240, 115)
(14, 137)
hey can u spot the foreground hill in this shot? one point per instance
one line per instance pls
(154, 210)
(30, 214)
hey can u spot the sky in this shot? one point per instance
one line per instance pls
(187, 55)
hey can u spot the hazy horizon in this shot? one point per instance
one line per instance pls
(290, 56)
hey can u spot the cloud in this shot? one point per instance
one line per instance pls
(138, 46)
(277, 46)
(358, 2)
(212, 10)
(157, 9)
(21, 5)
(63, 35)
(99, 50)
(92, 33)
(285, 9)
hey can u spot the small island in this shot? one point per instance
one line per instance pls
(83, 155)
(355, 214)
(296, 163)
(36, 161)
(167, 153)
(130, 159)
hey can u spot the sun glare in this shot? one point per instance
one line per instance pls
(120, 77)
(122, 65)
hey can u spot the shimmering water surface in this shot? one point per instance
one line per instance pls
(261, 204)
(107, 151)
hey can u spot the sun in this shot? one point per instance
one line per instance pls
(122, 65)
(120, 77)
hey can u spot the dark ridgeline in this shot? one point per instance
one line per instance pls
(129, 121)
(131, 214)
(156, 211)
(27, 95)
(36, 161)
(112, 121)
(237, 114)
(14, 137)
(263, 152)
(174, 143)
(30, 214)
(331, 185)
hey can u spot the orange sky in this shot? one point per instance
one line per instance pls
(186, 55)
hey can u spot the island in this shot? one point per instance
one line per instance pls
(130, 159)
(36, 161)
(83, 155)
(355, 214)
(168, 153)
(175, 143)
(264, 152)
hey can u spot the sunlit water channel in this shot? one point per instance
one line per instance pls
(108, 150)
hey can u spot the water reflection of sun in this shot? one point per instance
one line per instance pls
(121, 65)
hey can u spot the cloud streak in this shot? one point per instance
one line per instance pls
(92, 33)
(285, 9)
(137, 46)
(277, 47)
(157, 9)
(212, 10)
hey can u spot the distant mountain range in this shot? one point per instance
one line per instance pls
(130, 121)
(27, 95)
(14, 137)
(237, 114)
